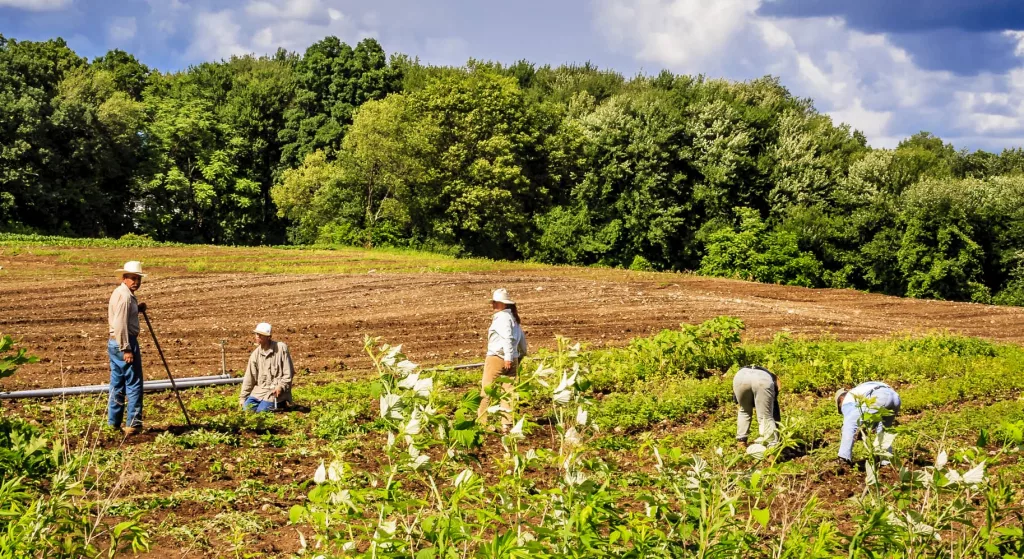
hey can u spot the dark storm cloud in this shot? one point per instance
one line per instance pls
(958, 51)
(903, 16)
(959, 36)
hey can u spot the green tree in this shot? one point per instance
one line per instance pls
(129, 75)
(811, 158)
(253, 109)
(100, 151)
(301, 196)
(483, 187)
(215, 149)
(754, 252)
(386, 155)
(30, 164)
(939, 254)
(367, 196)
(926, 155)
(634, 198)
(332, 80)
(180, 197)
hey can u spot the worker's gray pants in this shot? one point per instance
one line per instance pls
(754, 388)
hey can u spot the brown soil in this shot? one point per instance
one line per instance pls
(440, 318)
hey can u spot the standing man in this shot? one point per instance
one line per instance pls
(866, 397)
(268, 376)
(123, 350)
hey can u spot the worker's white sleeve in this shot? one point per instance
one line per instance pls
(504, 328)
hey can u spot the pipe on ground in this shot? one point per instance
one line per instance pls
(456, 367)
(151, 386)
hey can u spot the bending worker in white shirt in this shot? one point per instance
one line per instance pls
(506, 345)
(873, 396)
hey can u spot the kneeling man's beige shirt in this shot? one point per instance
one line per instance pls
(268, 370)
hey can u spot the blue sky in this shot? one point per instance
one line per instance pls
(888, 67)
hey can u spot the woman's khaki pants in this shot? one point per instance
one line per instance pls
(755, 389)
(494, 367)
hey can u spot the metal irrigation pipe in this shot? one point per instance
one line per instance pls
(160, 385)
(456, 367)
(166, 368)
(151, 386)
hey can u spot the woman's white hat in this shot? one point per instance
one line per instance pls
(501, 296)
(263, 329)
(132, 267)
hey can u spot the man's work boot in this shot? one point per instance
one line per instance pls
(842, 465)
(129, 431)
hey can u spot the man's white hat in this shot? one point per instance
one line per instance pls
(262, 328)
(840, 395)
(501, 296)
(133, 267)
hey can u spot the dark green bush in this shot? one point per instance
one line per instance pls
(24, 452)
(754, 252)
(641, 264)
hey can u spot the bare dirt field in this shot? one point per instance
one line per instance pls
(55, 302)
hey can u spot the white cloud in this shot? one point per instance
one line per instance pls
(679, 33)
(262, 26)
(166, 14)
(35, 5)
(863, 79)
(305, 10)
(122, 29)
(1019, 37)
(217, 35)
(873, 123)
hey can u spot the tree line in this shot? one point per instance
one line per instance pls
(569, 164)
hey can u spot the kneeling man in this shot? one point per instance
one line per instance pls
(268, 376)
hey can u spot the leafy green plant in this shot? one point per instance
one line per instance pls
(24, 452)
(12, 357)
(694, 351)
(641, 264)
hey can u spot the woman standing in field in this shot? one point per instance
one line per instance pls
(506, 345)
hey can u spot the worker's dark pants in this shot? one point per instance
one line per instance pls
(125, 385)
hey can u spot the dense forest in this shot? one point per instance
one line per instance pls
(569, 164)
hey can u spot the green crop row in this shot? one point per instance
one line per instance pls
(621, 452)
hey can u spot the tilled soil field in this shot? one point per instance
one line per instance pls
(439, 317)
(223, 487)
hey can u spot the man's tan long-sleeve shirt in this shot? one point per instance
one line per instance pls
(123, 316)
(267, 371)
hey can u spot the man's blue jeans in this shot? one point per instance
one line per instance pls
(252, 404)
(125, 385)
(884, 398)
